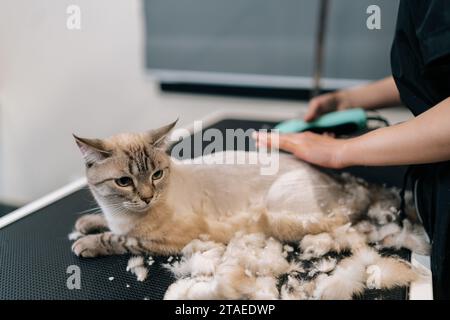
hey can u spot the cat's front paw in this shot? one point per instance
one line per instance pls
(90, 223)
(87, 247)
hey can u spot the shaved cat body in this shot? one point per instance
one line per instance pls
(152, 203)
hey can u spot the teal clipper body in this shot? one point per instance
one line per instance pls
(354, 119)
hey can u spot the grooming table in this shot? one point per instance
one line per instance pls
(35, 251)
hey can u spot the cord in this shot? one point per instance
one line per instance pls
(380, 119)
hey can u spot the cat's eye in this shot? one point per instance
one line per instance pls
(124, 181)
(157, 175)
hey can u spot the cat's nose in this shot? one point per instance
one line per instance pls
(147, 199)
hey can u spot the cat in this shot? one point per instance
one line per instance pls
(154, 203)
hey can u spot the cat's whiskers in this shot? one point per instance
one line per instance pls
(115, 209)
(110, 207)
(90, 210)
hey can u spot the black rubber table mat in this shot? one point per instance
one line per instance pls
(35, 251)
(5, 209)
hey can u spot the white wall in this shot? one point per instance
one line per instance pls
(91, 82)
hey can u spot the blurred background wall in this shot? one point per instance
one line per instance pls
(266, 42)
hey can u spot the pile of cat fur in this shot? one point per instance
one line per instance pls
(339, 264)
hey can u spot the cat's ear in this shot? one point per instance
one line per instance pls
(158, 137)
(93, 150)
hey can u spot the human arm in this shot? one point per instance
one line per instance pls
(379, 94)
(423, 139)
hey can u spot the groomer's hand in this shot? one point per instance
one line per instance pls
(414, 141)
(319, 149)
(379, 94)
(338, 100)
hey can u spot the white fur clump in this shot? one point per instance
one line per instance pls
(249, 268)
(246, 269)
(348, 279)
(200, 258)
(75, 235)
(261, 255)
(410, 236)
(295, 289)
(136, 265)
(325, 265)
(340, 239)
(366, 268)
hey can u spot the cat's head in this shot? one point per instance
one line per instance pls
(127, 172)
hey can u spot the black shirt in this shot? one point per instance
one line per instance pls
(420, 60)
(420, 55)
